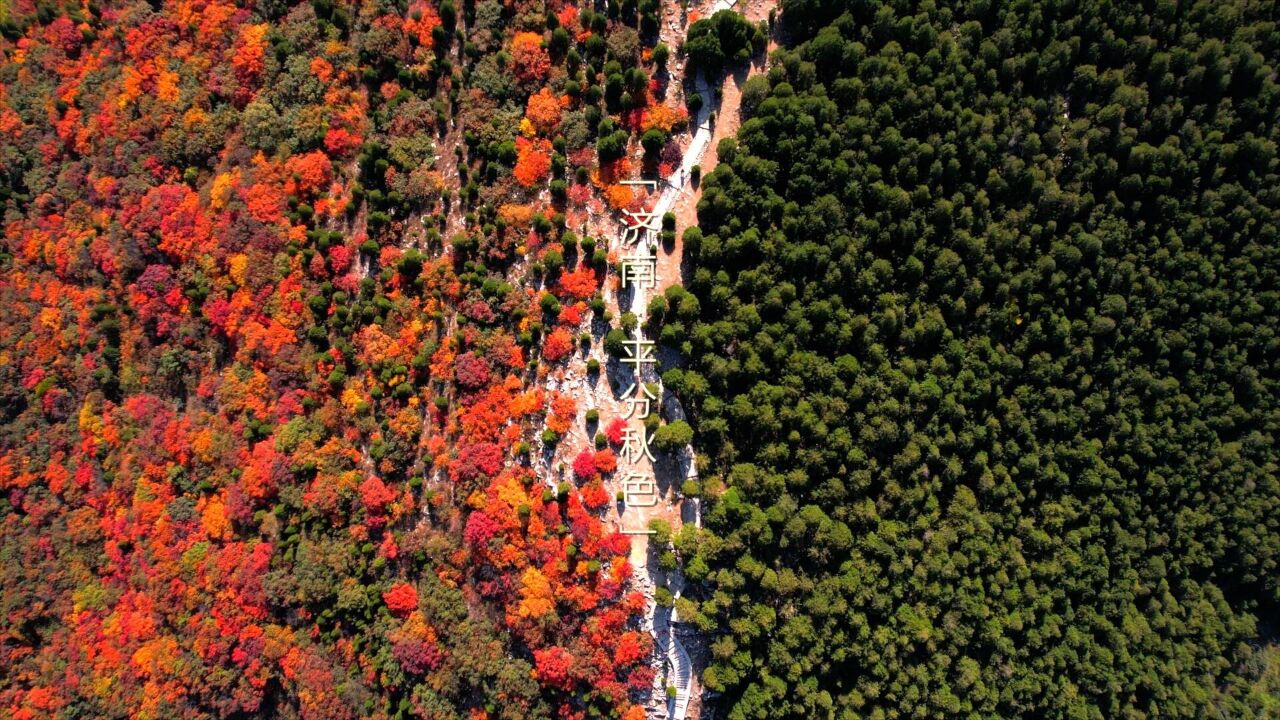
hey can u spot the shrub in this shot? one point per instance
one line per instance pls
(673, 436)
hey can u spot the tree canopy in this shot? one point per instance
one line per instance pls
(984, 369)
(724, 37)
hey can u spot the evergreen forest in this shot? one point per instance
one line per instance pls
(984, 367)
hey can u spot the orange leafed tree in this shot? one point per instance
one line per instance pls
(248, 57)
(536, 598)
(594, 496)
(606, 461)
(422, 20)
(563, 410)
(558, 345)
(543, 110)
(663, 117)
(310, 174)
(580, 283)
(530, 60)
(533, 161)
(619, 196)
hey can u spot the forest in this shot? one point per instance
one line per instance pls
(983, 372)
(976, 353)
(281, 285)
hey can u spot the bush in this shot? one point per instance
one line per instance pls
(660, 55)
(722, 37)
(652, 141)
(673, 436)
(661, 532)
(615, 343)
(667, 561)
(553, 260)
(612, 146)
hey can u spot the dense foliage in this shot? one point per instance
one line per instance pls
(985, 365)
(725, 36)
(277, 282)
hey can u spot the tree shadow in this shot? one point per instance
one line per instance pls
(671, 469)
(672, 408)
(619, 376)
(626, 298)
(668, 358)
(548, 455)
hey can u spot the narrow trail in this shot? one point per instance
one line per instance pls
(676, 693)
(678, 192)
(680, 670)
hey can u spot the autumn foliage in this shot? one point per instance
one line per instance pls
(401, 598)
(268, 403)
(533, 161)
(558, 345)
(663, 117)
(580, 284)
(530, 60)
(584, 465)
(543, 110)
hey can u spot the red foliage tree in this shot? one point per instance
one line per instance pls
(584, 465)
(341, 142)
(580, 283)
(480, 529)
(472, 371)
(557, 346)
(474, 461)
(401, 598)
(554, 667)
(613, 431)
(375, 495)
(632, 647)
(417, 656)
